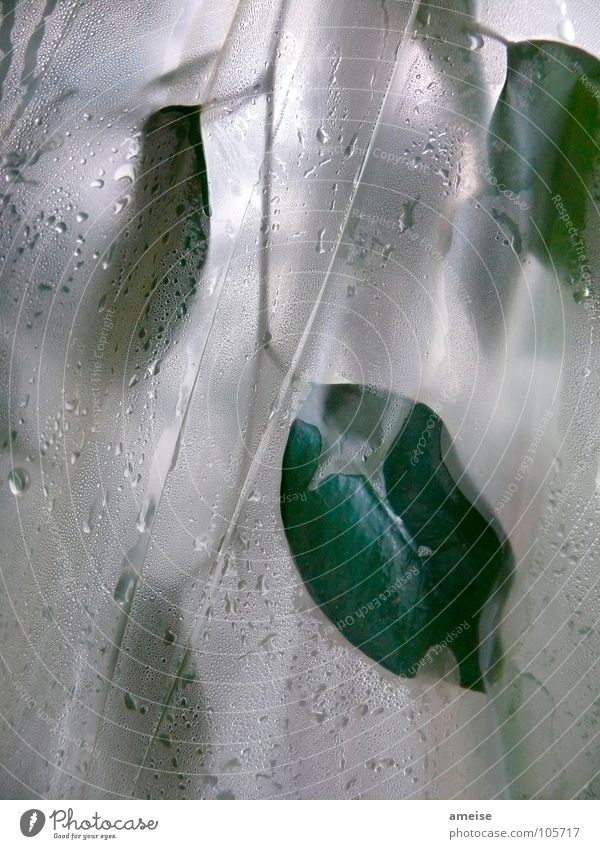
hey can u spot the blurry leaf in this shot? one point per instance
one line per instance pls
(386, 543)
(543, 139)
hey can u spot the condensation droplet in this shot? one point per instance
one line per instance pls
(320, 248)
(18, 481)
(125, 587)
(566, 30)
(475, 41)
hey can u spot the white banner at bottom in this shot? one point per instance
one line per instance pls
(268, 824)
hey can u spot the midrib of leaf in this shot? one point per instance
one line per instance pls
(284, 390)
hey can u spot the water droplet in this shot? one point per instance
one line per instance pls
(566, 29)
(581, 294)
(121, 204)
(18, 481)
(322, 136)
(200, 544)
(130, 702)
(126, 586)
(475, 41)
(154, 367)
(406, 219)
(146, 515)
(349, 151)
(125, 172)
(320, 248)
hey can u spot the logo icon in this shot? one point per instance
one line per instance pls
(32, 822)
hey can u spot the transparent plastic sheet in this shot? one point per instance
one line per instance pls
(157, 638)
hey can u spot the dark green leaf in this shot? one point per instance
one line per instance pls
(387, 545)
(543, 140)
